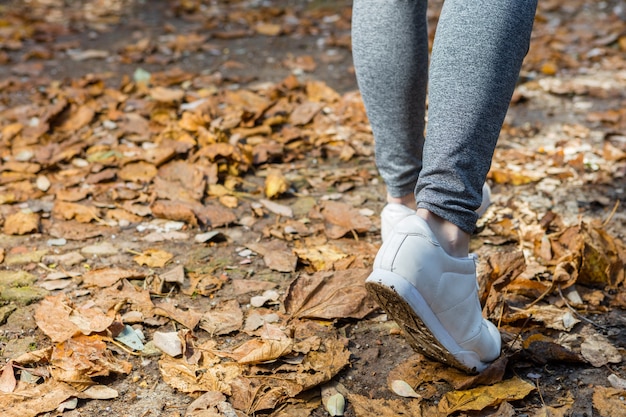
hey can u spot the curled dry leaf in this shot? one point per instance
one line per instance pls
(336, 405)
(275, 184)
(78, 360)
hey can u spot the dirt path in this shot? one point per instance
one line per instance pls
(561, 159)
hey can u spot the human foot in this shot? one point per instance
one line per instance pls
(433, 297)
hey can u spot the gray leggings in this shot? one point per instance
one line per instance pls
(476, 58)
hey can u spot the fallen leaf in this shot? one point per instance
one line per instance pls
(329, 295)
(276, 255)
(81, 358)
(599, 351)
(320, 257)
(368, 407)
(34, 400)
(167, 95)
(21, 223)
(343, 218)
(275, 184)
(137, 172)
(208, 375)
(226, 318)
(153, 258)
(105, 277)
(403, 389)
(7, 378)
(543, 349)
(609, 401)
(487, 396)
(188, 318)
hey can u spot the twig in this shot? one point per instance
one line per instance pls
(542, 296)
(502, 308)
(611, 214)
(576, 313)
(541, 397)
(121, 346)
(508, 348)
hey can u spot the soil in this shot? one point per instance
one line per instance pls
(375, 349)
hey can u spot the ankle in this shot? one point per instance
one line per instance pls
(407, 200)
(451, 238)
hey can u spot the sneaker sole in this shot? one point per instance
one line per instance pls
(421, 327)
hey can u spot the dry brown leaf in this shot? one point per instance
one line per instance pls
(245, 286)
(551, 316)
(53, 318)
(421, 372)
(59, 320)
(609, 401)
(79, 359)
(487, 396)
(319, 91)
(268, 29)
(106, 277)
(224, 319)
(305, 112)
(21, 223)
(330, 295)
(153, 258)
(276, 254)
(208, 375)
(33, 400)
(267, 386)
(7, 378)
(137, 172)
(599, 351)
(79, 119)
(167, 95)
(79, 212)
(188, 318)
(206, 405)
(174, 210)
(543, 350)
(367, 407)
(74, 230)
(122, 294)
(343, 219)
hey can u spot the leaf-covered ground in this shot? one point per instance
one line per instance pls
(189, 207)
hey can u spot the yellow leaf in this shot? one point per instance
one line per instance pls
(486, 396)
(275, 184)
(154, 258)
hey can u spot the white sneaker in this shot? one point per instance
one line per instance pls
(393, 213)
(433, 297)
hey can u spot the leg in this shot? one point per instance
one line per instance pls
(422, 275)
(390, 52)
(477, 55)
